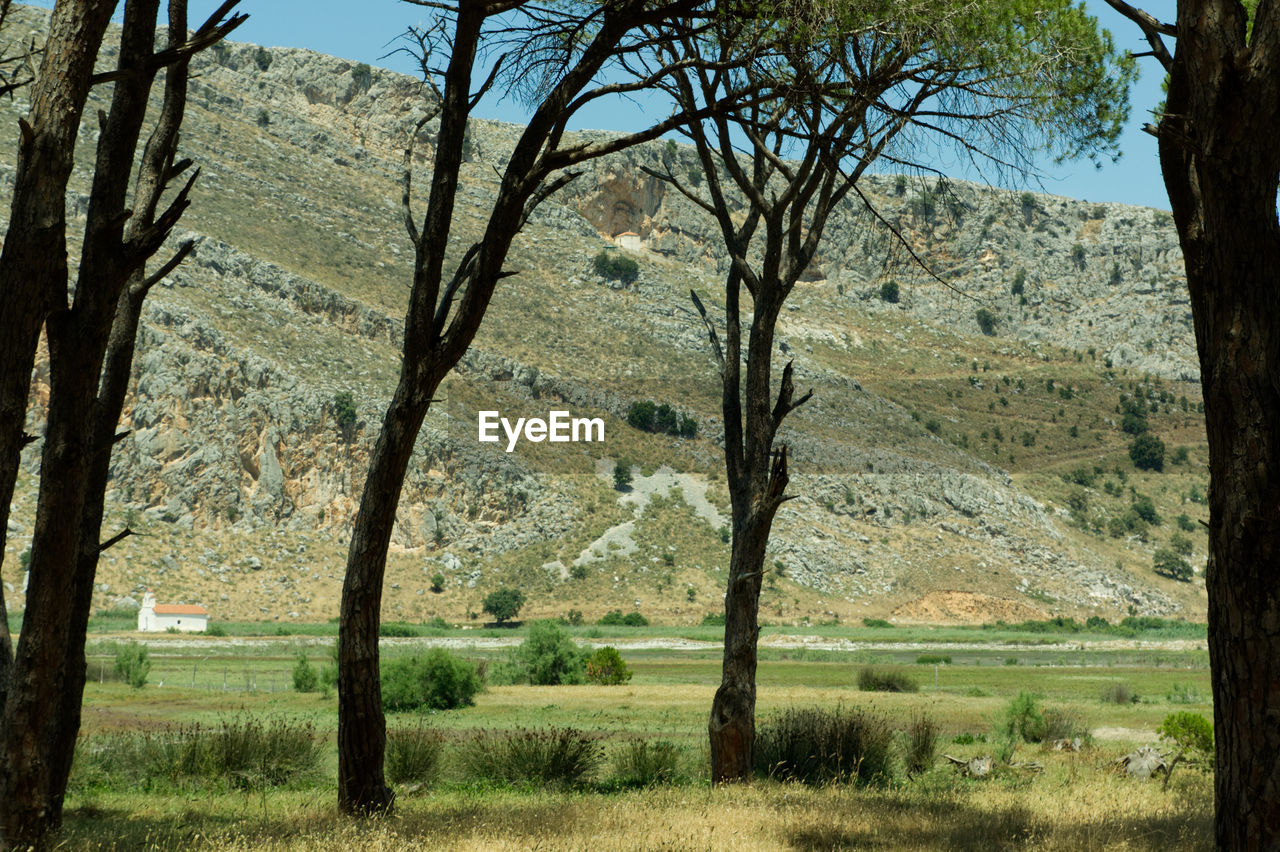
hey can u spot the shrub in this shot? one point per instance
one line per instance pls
(1019, 285)
(396, 629)
(262, 58)
(622, 475)
(133, 663)
(1023, 719)
(1147, 452)
(615, 267)
(436, 681)
(1061, 724)
(1144, 508)
(437, 583)
(215, 630)
(503, 603)
(413, 754)
(1169, 563)
(712, 619)
(547, 657)
(616, 618)
(875, 622)
(1190, 732)
(344, 414)
(986, 320)
(921, 744)
(1185, 523)
(305, 676)
(889, 292)
(1118, 693)
(1180, 544)
(933, 659)
(552, 756)
(816, 745)
(362, 75)
(641, 763)
(607, 668)
(885, 680)
(640, 415)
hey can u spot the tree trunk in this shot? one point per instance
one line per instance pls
(362, 733)
(1220, 165)
(33, 264)
(732, 727)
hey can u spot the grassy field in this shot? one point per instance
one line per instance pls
(1078, 801)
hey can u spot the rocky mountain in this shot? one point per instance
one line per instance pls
(942, 473)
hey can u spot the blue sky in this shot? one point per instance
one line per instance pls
(367, 31)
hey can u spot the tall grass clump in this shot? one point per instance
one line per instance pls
(642, 763)
(559, 757)
(817, 745)
(921, 744)
(1119, 693)
(437, 681)
(871, 679)
(413, 754)
(242, 753)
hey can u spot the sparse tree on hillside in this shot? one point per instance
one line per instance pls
(504, 604)
(849, 83)
(1218, 154)
(554, 56)
(90, 329)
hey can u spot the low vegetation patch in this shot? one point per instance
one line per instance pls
(645, 763)
(413, 754)
(549, 756)
(885, 680)
(816, 745)
(437, 680)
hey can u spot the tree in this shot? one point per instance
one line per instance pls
(615, 267)
(889, 292)
(1169, 563)
(622, 475)
(552, 55)
(1218, 156)
(91, 328)
(504, 604)
(1190, 732)
(847, 83)
(1147, 452)
(986, 320)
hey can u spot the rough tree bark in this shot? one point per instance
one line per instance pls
(42, 710)
(33, 263)
(444, 314)
(1221, 165)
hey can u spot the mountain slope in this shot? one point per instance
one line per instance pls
(929, 466)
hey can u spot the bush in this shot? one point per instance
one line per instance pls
(1019, 285)
(615, 267)
(504, 603)
(305, 677)
(641, 763)
(607, 668)
(875, 622)
(1147, 452)
(396, 629)
(616, 618)
(344, 414)
(986, 320)
(933, 659)
(413, 754)
(1169, 563)
(885, 680)
(362, 75)
(921, 744)
(1144, 508)
(1185, 523)
(437, 583)
(554, 756)
(816, 746)
(621, 475)
(1180, 544)
(1118, 693)
(133, 663)
(1023, 719)
(1190, 732)
(215, 630)
(889, 292)
(436, 681)
(712, 619)
(547, 657)
(648, 416)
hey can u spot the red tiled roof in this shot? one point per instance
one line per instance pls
(180, 609)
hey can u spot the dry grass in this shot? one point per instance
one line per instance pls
(1076, 808)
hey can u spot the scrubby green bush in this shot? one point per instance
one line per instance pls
(875, 622)
(885, 680)
(615, 267)
(889, 292)
(1169, 563)
(607, 668)
(817, 745)
(617, 619)
(1023, 719)
(1147, 452)
(437, 680)
(986, 320)
(413, 754)
(133, 663)
(305, 676)
(1191, 733)
(642, 763)
(621, 475)
(437, 583)
(933, 659)
(397, 629)
(551, 756)
(545, 658)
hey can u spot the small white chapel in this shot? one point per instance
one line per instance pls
(157, 618)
